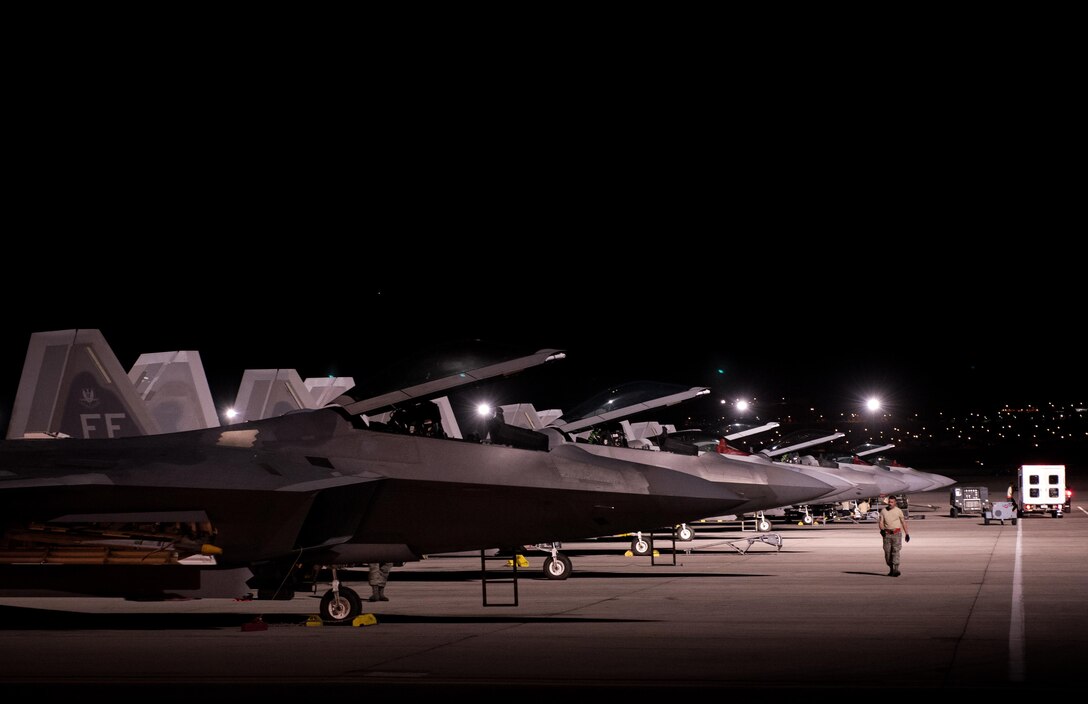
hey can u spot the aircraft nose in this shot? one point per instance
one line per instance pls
(890, 484)
(914, 482)
(791, 486)
(939, 480)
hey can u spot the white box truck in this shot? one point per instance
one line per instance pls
(1042, 489)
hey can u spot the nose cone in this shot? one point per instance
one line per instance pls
(888, 482)
(763, 484)
(790, 486)
(841, 488)
(939, 480)
(865, 484)
(913, 480)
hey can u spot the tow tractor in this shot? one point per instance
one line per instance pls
(967, 500)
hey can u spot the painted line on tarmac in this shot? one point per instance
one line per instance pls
(1082, 509)
(1016, 622)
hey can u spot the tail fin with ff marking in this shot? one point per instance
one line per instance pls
(72, 384)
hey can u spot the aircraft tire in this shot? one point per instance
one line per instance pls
(558, 567)
(952, 512)
(807, 519)
(684, 533)
(343, 610)
(641, 547)
(764, 526)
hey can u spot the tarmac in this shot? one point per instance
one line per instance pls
(979, 609)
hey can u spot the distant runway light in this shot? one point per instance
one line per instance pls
(723, 400)
(231, 414)
(742, 405)
(483, 409)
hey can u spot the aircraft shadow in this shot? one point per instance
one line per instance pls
(872, 574)
(18, 618)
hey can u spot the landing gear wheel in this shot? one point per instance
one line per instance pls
(952, 512)
(764, 526)
(641, 547)
(557, 567)
(342, 609)
(807, 519)
(684, 533)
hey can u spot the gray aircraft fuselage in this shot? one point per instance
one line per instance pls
(315, 487)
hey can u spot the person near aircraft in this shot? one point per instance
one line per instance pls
(893, 528)
(378, 576)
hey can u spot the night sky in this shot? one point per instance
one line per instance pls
(910, 245)
(830, 339)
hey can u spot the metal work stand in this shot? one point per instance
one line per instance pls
(653, 560)
(769, 538)
(513, 579)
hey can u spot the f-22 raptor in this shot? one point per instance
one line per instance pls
(282, 499)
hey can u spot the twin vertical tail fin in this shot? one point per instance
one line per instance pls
(267, 393)
(175, 390)
(72, 384)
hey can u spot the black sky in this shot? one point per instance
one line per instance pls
(828, 254)
(830, 340)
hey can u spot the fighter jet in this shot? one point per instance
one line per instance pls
(764, 486)
(285, 497)
(915, 480)
(841, 484)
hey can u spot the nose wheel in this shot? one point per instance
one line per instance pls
(342, 607)
(340, 604)
(557, 566)
(640, 546)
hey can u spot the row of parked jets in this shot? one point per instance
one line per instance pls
(134, 472)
